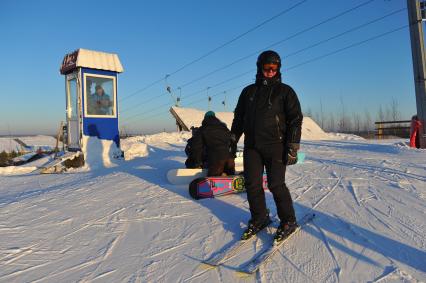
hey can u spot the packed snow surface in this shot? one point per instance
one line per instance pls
(127, 224)
(16, 170)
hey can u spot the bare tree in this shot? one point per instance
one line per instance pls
(342, 119)
(348, 124)
(308, 113)
(394, 108)
(380, 114)
(367, 123)
(388, 113)
(321, 115)
(331, 123)
(357, 122)
(316, 118)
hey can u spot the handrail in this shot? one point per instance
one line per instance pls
(392, 122)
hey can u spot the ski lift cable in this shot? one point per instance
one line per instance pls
(278, 42)
(319, 57)
(349, 46)
(281, 13)
(289, 55)
(345, 32)
(142, 103)
(168, 104)
(240, 36)
(192, 94)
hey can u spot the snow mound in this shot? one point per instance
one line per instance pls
(9, 144)
(134, 150)
(312, 131)
(347, 137)
(39, 141)
(99, 153)
(160, 138)
(192, 118)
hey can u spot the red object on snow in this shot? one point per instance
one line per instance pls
(414, 132)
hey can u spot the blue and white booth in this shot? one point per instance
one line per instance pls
(91, 99)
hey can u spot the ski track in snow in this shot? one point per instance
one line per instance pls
(330, 250)
(126, 224)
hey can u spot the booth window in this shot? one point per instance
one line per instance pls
(72, 99)
(100, 95)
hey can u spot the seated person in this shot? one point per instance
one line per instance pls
(190, 163)
(215, 137)
(99, 102)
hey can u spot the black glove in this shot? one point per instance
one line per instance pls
(292, 153)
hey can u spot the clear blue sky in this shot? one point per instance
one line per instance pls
(156, 38)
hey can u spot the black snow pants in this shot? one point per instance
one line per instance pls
(271, 157)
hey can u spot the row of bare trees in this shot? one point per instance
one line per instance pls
(345, 121)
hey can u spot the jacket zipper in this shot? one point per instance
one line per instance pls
(277, 119)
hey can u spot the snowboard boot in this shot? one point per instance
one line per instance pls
(284, 230)
(254, 228)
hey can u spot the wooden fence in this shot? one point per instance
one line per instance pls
(390, 129)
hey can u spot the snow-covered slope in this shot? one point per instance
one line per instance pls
(8, 144)
(39, 140)
(193, 118)
(127, 224)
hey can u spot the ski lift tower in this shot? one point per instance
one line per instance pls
(416, 16)
(91, 98)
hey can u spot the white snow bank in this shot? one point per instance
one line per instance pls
(193, 118)
(99, 153)
(39, 140)
(347, 137)
(135, 150)
(8, 144)
(16, 170)
(160, 138)
(312, 131)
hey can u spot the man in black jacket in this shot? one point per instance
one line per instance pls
(215, 138)
(268, 113)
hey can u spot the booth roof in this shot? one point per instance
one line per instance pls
(91, 59)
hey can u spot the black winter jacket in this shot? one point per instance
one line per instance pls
(268, 112)
(215, 137)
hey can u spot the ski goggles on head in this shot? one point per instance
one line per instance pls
(270, 67)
